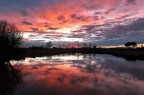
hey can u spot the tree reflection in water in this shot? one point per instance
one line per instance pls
(10, 76)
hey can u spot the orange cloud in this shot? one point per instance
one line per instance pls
(60, 16)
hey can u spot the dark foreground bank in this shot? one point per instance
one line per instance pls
(129, 54)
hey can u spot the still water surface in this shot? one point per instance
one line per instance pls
(80, 75)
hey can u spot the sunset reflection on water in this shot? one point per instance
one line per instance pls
(81, 75)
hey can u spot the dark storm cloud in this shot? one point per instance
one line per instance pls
(26, 23)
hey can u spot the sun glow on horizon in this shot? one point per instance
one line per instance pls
(76, 20)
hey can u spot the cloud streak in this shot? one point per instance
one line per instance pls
(83, 20)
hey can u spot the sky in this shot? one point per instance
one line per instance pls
(68, 22)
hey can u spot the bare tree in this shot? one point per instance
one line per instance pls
(9, 35)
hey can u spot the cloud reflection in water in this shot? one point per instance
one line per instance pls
(81, 75)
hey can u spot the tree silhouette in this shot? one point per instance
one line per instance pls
(9, 35)
(131, 44)
(10, 76)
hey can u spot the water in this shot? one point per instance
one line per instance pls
(80, 75)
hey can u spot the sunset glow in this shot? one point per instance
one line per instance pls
(81, 75)
(105, 22)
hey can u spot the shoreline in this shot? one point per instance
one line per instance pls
(128, 54)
